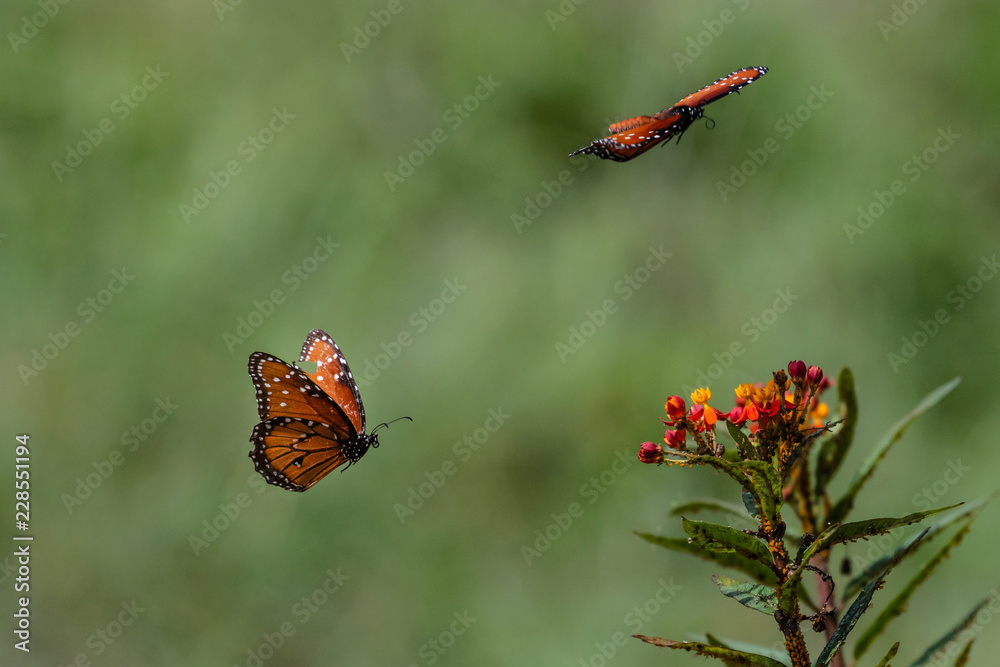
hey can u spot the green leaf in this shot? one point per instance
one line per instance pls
(728, 655)
(743, 444)
(766, 485)
(751, 568)
(846, 503)
(853, 614)
(889, 656)
(856, 530)
(789, 588)
(953, 634)
(835, 448)
(847, 623)
(714, 537)
(872, 570)
(708, 505)
(768, 652)
(750, 504)
(754, 596)
(898, 604)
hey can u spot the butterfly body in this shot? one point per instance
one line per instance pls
(310, 423)
(634, 136)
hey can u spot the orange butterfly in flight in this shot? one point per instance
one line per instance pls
(633, 137)
(310, 423)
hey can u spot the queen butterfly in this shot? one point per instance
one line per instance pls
(310, 423)
(635, 136)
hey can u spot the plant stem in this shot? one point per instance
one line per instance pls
(790, 624)
(824, 590)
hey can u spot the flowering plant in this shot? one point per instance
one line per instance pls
(784, 454)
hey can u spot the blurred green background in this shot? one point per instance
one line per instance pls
(203, 82)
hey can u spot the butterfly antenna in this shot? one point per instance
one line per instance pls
(385, 424)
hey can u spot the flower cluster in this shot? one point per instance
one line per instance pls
(778, 415)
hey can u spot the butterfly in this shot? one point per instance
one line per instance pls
(634, 136)
(310, 423)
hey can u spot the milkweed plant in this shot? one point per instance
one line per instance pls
(784, 451)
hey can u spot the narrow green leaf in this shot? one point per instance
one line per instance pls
(729, 655)
(846, 503)
(708, 505)
(884, 662)
(750, 504)
(856, 530)
(743, 444)
(847, 623)
(766, 485)
(768, 652)
(952, 635)
(964, 657)
(748, 594)
(714, 537)
(871, 571)
(751, 568)
(898, 604)
(853, 614)
(835, 448)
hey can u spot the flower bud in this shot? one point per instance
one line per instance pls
(650, 452)
(675, 407)
(797, 371)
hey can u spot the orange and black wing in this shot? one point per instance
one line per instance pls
(295, 453)
(333, 375)
(635, 136)
(304, 434)
(728, 84)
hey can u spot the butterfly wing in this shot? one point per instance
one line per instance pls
(295, 453)
(333, 375)
(629, 124)
(634, 139)
(728, 84)
(304, 434)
